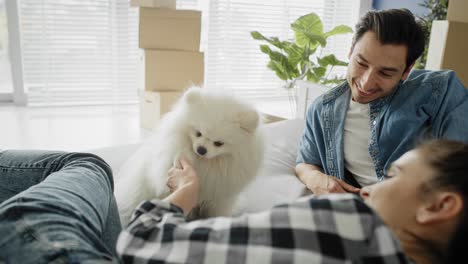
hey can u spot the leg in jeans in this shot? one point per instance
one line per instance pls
(56, 207)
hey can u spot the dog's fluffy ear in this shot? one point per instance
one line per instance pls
(192, 95)
(248, 120)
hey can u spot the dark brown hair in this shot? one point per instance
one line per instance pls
(394, 26)
(449, 159)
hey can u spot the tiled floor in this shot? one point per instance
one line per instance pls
(69, 128)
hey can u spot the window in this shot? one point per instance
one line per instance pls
(6, 86)
(79, 51)
(86, 51)
(233, 58)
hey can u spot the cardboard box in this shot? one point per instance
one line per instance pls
(448, 41)
(171, 4)
(153, 106)
(167, 70)
(169, 29)
(458, 11)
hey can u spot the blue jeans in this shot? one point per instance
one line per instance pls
(56, 207)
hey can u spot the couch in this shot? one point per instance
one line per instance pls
(276, 182)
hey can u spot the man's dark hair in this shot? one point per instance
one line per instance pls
(394, 26)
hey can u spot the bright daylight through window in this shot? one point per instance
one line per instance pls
(6, 85)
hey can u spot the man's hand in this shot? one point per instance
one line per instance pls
(184, 185)
(321, 183)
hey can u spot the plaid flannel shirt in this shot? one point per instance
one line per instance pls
(326, 229)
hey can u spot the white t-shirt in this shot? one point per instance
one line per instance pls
(356, 144)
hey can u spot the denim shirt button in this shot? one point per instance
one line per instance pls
(371, 141)
(374, 123)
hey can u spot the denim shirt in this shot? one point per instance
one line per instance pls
(428, 104)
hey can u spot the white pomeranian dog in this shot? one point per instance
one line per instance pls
(220, 135)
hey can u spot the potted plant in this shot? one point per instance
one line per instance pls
(437, 10)
(300, 62)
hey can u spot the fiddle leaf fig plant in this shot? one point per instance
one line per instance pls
(296, 59)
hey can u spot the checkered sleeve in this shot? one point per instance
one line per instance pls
(333, 229)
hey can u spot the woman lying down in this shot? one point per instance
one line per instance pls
(418, 214)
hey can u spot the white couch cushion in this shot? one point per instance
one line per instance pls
(276, 182)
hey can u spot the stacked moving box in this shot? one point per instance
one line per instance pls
(170, 40)
(449, 41)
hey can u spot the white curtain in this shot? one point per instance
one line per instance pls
(79, 52)
(86, 51)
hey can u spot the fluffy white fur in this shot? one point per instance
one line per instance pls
(199, 121)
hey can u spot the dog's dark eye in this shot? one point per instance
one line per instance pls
(198, 134)
(218, 143)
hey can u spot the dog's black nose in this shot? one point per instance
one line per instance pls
(201, 150)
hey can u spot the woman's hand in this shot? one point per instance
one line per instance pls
(184, 185)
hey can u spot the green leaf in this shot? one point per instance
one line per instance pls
(312, 77)
(311, 40)
(330, 60)
(285, 63)
(308, 30)
(278, 69)
(319, 71)
(280, 64)
(333, 81)
(310, 22)
(273, 40)
(306, 65)
(265, 49)
(277, 56)
(295, 54)
(341, 29)
(257, 35)
(276, 42)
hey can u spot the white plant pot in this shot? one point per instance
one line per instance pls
(306, 94)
